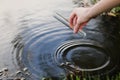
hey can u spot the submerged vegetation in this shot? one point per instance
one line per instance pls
(116, 11)
(97, 77)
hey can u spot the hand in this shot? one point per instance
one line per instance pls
(78, 18)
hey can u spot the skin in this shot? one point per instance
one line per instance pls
(80, 16)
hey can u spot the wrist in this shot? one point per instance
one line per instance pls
(89, 14)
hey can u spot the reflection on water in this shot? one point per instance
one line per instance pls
(27, 15)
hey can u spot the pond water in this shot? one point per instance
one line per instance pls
(19, 15)
(34, 45)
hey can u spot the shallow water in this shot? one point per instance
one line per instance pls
(34, 44)
(25, 15)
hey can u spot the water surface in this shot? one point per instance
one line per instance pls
(25, 17)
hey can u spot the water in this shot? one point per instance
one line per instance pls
(34, 45)
(25, 15)
(50, 49)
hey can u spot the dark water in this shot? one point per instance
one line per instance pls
(34, 44)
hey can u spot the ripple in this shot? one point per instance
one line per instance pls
(50, 49)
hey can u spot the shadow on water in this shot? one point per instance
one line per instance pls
(46, 48)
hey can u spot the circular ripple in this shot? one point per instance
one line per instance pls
(39, 47)
(52, 50)
(84, 55)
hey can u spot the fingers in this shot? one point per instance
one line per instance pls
(75, 21)
(79, 26)
(71, 20)
(76, 28)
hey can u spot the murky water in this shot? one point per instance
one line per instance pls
(34, 44)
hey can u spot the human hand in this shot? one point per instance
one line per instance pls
(78, 18)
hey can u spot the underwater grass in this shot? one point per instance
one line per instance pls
(97, 77)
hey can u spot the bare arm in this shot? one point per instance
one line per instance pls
(102, 6)
(81, 15)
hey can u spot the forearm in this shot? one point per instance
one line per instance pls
(102, 6)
